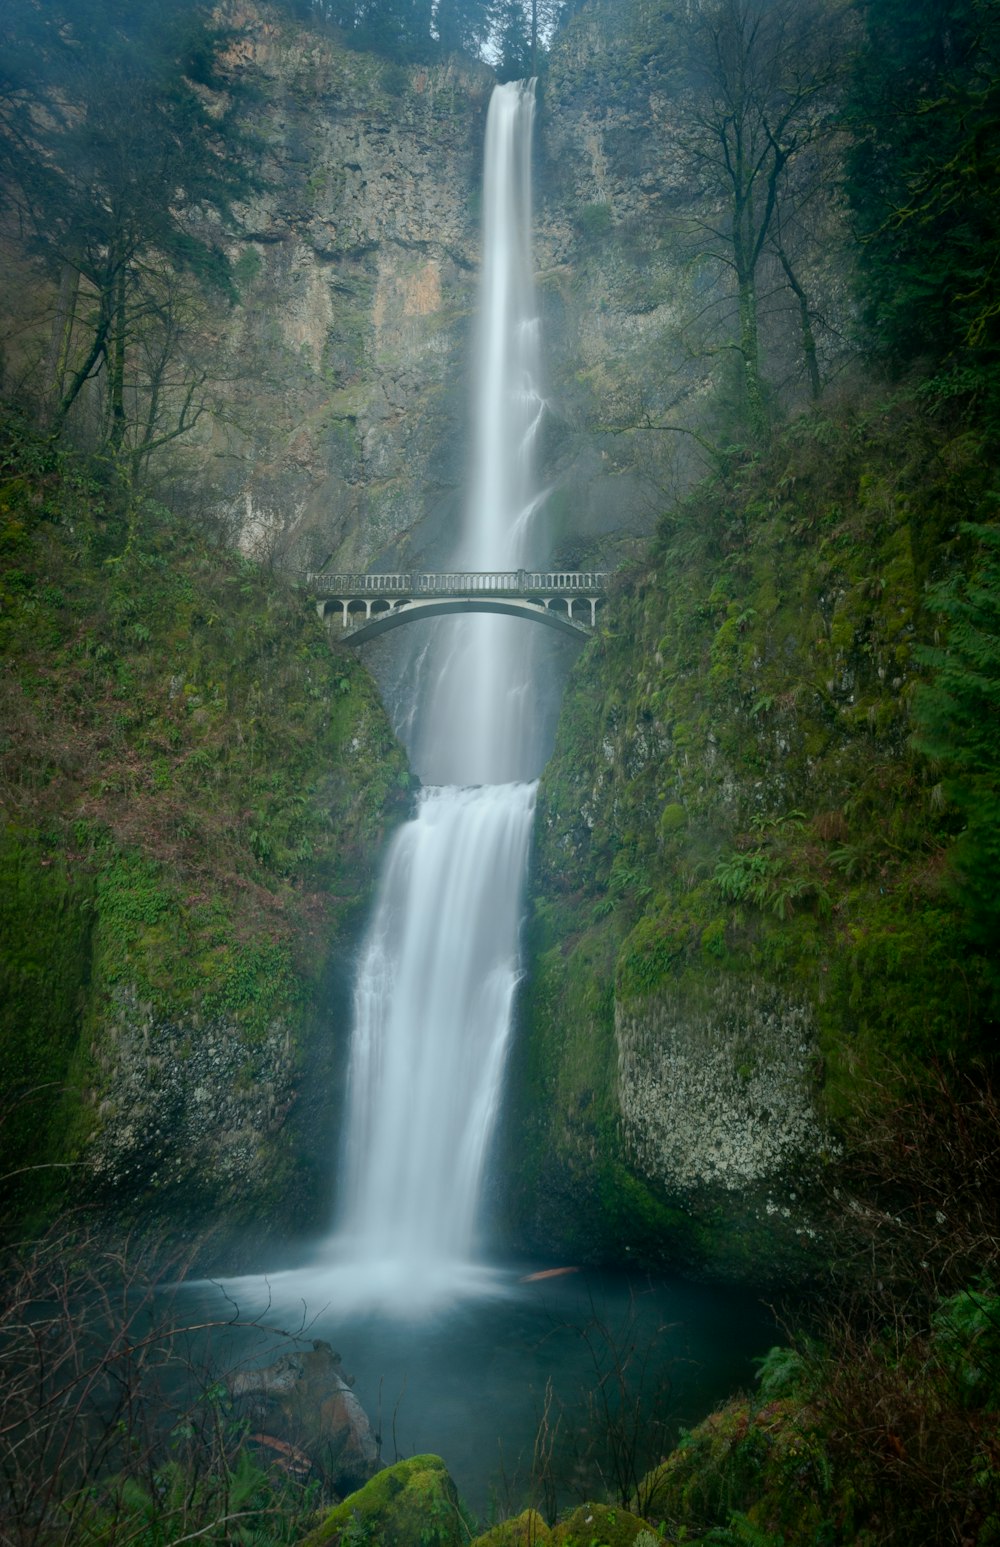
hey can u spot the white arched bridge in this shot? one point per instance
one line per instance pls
(368, 605)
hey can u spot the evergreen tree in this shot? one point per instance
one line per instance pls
(923, 177)
(463, 26)
(400, 29)
(512, 40)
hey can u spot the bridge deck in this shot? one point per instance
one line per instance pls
(514, 582)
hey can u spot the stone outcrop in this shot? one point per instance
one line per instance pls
(735, 945)
(185, 1105)
(410, 1504)
(721, 1093)
(345, 363)
(303, 1400)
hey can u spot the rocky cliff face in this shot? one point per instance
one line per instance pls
(346, 362)
(743, 929)
(349, 359)
(337, 386)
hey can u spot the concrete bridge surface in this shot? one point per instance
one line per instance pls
(370, 605)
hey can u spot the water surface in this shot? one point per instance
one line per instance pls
(511, 1365)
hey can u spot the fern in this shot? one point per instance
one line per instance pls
(741, 1532)
(779, 1372)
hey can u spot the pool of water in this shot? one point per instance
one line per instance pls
(547, 1391)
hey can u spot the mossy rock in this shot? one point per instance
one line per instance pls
(525, 1530)
(412, 1504)
(742, 1459)
(601, 1525)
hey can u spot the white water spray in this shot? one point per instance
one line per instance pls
(440, 967)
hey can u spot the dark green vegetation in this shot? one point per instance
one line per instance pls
(924, 113)
(764, 980)
(513, 31)
(195, 789)
(747, 808)
(763, 903)
(864, 1439)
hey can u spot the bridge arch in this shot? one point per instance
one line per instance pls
(407, 610)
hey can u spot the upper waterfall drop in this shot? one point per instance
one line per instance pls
(476, 723)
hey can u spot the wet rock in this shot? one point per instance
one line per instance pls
(411, 1504)
(304, 1399)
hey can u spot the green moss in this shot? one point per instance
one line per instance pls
(673, 819)
(649, 953)
(600, 1525)
(735, 789)
(411, 1504)
(204, 785)
(525, 1530)
(768, 1465)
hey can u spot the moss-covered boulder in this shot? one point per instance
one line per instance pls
(602, 1525)
(524, 1530)
(411, 1504)
(769, 1464)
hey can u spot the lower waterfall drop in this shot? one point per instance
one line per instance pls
(432, 1018)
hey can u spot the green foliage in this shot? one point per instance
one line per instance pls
(924, 183)
(46, 910)
(966, 1330)
(648, 955)
(781, 1372)
(741, 1532)
(202, 789)
(959, 719)
(745, 877)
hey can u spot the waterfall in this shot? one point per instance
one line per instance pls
(439, 969)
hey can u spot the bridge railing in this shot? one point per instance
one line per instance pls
(461, 583)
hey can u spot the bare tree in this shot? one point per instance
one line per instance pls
(759, 82)
(116, 1425)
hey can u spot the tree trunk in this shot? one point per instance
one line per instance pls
(805, 325)
(116, 367)
(753, 395)
(98, 347)
(60, 341)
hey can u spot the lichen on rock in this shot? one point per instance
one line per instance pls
(719, 1093)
